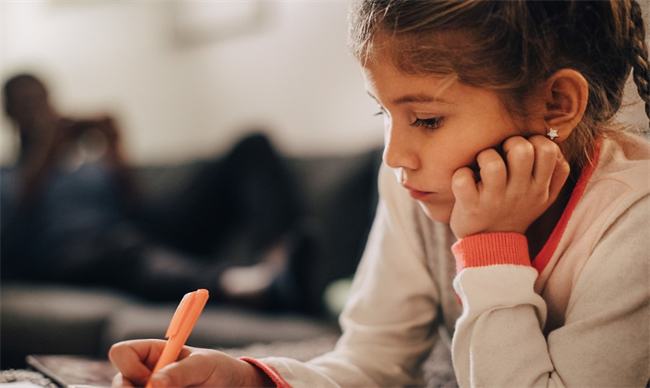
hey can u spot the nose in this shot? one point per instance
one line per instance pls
(400, 148)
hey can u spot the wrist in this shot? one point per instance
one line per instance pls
(258, 377)
(485, 249)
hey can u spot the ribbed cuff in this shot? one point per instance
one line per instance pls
(269, 370)
(481, 250)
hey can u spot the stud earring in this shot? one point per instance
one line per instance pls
(552, 134)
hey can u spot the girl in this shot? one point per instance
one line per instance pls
(514, 212)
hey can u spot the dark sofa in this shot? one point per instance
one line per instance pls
(339, 196)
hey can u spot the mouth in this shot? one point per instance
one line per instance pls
(418, 195)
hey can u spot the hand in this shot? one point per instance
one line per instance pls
(104, 124)
(195, 367)
(511, 193)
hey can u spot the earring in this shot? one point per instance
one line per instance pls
(552, 133)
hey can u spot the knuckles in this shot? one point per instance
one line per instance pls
(545, 147)
(490, 162)
(462, 179)
(115, 350)
(564, 167)
(521, 204)
(493, 167)
(519, 149)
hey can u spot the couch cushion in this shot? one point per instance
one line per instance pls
(339, 196)
(40, 318)
(217, 327)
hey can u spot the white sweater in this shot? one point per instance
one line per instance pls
(578, 316)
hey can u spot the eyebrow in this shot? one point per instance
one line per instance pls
(421, 98)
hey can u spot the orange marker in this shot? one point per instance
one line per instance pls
(181, 326)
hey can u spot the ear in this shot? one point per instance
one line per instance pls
(565, 94)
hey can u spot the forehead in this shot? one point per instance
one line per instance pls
(430, 52)
(394, 89)
(384, 80)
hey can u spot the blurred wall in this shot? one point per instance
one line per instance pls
(179, 94)
(186, 78)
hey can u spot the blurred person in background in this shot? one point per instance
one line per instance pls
(72, 213)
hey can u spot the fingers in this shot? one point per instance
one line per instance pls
(520, 155)
(193, 370)
(551, 169)
(546, 156)
(537, 161)
(206, 368)
(511, 193)
(120, 381)
(492, 168)
(135, 359)
(463, 186)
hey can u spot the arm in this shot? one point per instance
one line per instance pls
(116, 161)
(55, 142)
(388, 323)
(40, 160)
(606, 336)
(195, 367)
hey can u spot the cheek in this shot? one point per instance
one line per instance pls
(454, 145)
(440, 212)
(441, 167)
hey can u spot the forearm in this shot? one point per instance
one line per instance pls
(498, 339)
(603, 338)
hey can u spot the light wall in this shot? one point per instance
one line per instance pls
(290, 73)
(176, 100)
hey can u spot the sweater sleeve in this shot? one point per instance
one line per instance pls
(605, 340)
(389, 321)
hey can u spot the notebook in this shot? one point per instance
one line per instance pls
(74, 371)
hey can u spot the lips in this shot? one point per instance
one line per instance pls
(417, 194)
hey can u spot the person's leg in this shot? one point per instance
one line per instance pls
(161, 273)
(264, 195)
(280, 281)
(269, 247)
(199, 212)
(241, 212)
(249, 189)
(123, 257)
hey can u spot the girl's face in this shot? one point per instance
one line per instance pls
(433, 126)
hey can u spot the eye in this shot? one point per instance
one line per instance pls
(432, 123)
(381, 111)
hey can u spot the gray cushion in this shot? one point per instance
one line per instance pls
(217, 326)
(54, 319)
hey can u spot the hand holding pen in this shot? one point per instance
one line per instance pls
(181, 326)
(158, 363)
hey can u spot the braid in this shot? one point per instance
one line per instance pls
(639, 55)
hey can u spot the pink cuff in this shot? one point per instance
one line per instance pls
(481, 250)
(269, 370)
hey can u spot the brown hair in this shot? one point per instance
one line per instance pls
(513, 46)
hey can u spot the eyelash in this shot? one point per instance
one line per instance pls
(430, 124)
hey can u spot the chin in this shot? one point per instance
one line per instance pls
(438, 213)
